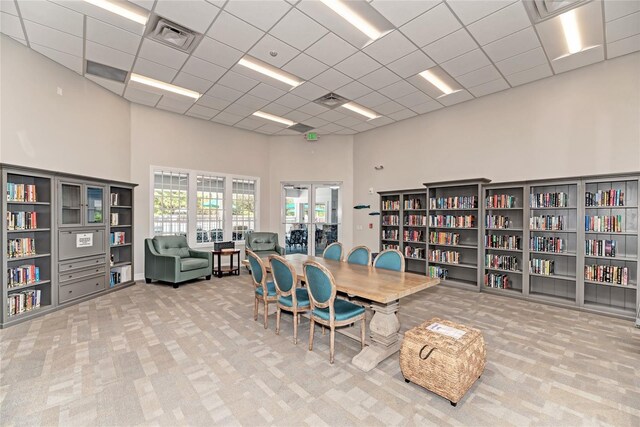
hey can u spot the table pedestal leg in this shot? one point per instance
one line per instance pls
(384, 327)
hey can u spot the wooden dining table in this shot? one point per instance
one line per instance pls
(381, 290)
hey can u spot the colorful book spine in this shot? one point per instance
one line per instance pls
(413, 235)
(498, 281)
(386, 246)
(437, 272)
(23, 275)
(547, 244)
(117, 238)
(541, 266)
(21, 193)
(503, 262)
(21, 302)
(411, 252)
(390, 220)
(450, 257)
(451, 221)
(444, 238)
(606, 248)
(22, 220)
(502, 242)
(548, 200)
(413, 204)
(547, 222)
(390, 234)
(603, 223)
(498, 221)
(415, 220)
(607, 274)
(22, 247)
(455, 202)
(390, 205)
(500, 201)
(605, 198)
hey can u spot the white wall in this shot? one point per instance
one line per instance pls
(85, 131)
(579, 123)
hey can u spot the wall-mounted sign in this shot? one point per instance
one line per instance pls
(84, 240)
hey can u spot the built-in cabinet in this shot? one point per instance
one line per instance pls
(81, 204)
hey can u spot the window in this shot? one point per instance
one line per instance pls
(170, 190)
(244, 207)
(209, 209)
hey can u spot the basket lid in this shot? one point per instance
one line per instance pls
(444, 335)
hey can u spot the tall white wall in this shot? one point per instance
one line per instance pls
(582, 122)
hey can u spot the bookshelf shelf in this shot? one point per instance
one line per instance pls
(544, 253)
(553, 276)
(629, 286)
(611, 207)
(120, 245)
(28, 257)
(30, 230)
(453, 209)
(552, 208)
(610, 258)
(415, 242)
(455, 228)
(489, 248)
(451, 264)
(27, 285)
(15, 202)
(503, 209)
(620, 233)
(503, 229)
(503, 270)
(119, 207)
(513, 291)
(454, 246)
(120, 264)
(415, 259)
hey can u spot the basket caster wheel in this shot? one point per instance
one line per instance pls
(454, 404)
(407, 381)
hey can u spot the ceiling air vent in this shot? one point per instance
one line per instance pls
(106, 72)
(172, 34)
(541, 10)
(299, 127)
(331, 100)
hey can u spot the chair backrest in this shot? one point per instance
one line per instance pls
(258, 272)
(359, 255)
(321, 286)
(284, 276)
(172, 245)
(261, 241)
(333, 251)
(390, 259)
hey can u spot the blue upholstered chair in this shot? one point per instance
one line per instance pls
(325, 308)
(333, 251)
(290, 297)
(359, 255)
(390, 259)
(265, 292)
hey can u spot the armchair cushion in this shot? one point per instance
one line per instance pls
(302, 297)
(260, 242)
(343, 310)
(169, 259)
(271, 290)
(188, 264)
(172, 245)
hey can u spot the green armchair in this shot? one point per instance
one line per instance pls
(263, 243)
(169, 259)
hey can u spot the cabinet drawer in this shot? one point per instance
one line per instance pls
(79, 274)
(80, 263)
(80, 243)
(81, 288)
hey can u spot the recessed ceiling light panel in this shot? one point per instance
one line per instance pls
(270, 71)
(124, 9)
(147, 81)
(356, 108)
(274, 118)
(352, 17)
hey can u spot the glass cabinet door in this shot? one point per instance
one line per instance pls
(70, 203)
(95, 206)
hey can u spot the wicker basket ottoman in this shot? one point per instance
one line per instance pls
(444, 364)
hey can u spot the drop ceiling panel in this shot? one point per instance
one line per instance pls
(224, 92)
(372, 100)
(203, 69)
(298, 116)
(53, 39)
(249, 123)
(412, 64)
(626, 26)
(431, 25)
(115, 87)
(353, 90)
(147, 4)
(466, 63)
(292, 101)
(72, 62)
(619, 8)
(522, 62)
(398, 89)
(277, 109)
(455, 98)
(402, 115)
(105, 55)
(427, 107)
(471, 11)
(506, 21)
(399, 12)
(240, 110)
(197, 15)
(252, 102)
(309, 91)
(333, 22)
(530, 75)
(298, 30)
(623, 47)
(331, 79)
(192, 82)
(262, 14)
(357, 65)
(161, 54)
(389, 48)
(389, 107)
(267, 92)
(155, 71)
(217, 53)
(489, 87)
(11, 26)
(227, 118)
(102, 15)
(51, 15)
(448, 47)
(316, 122)
(413, 99)
(331, 49)
(234, 32)
(268, 44)
(213, 102)
(380, 78)
(332, 116)
(478, 77)
(8, 7)
(305, 67)
(238, 81)
(144, 97)
(111, 36)
(512, 45)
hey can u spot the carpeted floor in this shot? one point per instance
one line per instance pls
(154, 355)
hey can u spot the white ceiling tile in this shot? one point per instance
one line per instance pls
(411, 64)
(288, 132)
(353, 90)
(74, 63)
(148, 68)
(241, 110)
(196, 115)
(203, 69)
(455, 98)
(470, 11)
(372, 100)
(53, 39)
(224, 92)
(623, 47)
(399, 12)
(52, 15)
(381, 121)
(249, 123)
(140, 96)
(390, 47)
(614, 9)
(309, 91)
(326, 17)
(316, 122)
(331, 49)
(114, 37)
(332, 116)
(380, 78)
(357, 65)
(213, 102)
(197, 15)
(626, 26)
(269, 128)
(398, 89)
(506, 21)
(103, 15)
(522, 62)
(331, 79)
(8, 7)
(389, 107)
(466, 63)
(262, 14)
(312, 109)
(432, 25)
(227, 118)
(24, 42)
(277, 109)
(217, 53)
(189, 81)
(267, 92)
(305, 67)
(536, 73)
(297, 116)
(363, 127)
(147, 4)
(11, 26)
(448, 47)
(489, 87)
(478, 77)
(105, 55)
(298, 30)
(292, 101)
(577, 60)
(115, 87)
(426, 107)
(161, 54)
(402, 115)
(346, 131)
(512, 45)
(251, 101)
(268, 44)
(237, 81)
(330, 128)
(413, 99)
(234, 32)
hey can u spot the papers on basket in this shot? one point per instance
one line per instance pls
(446, 330)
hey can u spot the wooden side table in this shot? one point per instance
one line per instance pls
(232, 268)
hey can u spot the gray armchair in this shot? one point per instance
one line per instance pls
(263, 243)
(169, 259)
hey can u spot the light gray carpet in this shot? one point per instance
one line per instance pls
(154, 355)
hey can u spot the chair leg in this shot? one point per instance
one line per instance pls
(266, 312)
(295, 327)
(332, 349)
(322, 330)
(255, 309)
(362, 332)
(278, 311)
(311, 326)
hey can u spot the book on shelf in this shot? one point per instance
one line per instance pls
(21, 193)
(22, 247)
(604, 198)
(450, 257)
(547, 222)
(391, 205)
(455, 202)
(386, 246)
(114, 197)
(21, 302)
(541, 266)
(547, 244)
(23, 275)
(498, 221)
(452, 221)
(495, 241)
(503, 262)
(497, 280)
(607, 274)
(437, 272)
(411, 252)
(500, 201)
(413, 235)
(114, 219)
(413, 204)
(606, 248)
(117, 238)
(444, 238)
(22, 220)
(603, 223)
(548, 200)
(390, 234)
(120, 275)
(390, 220)
(415, 220)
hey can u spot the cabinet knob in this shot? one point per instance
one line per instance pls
(70, 266)
(70, 291)
(97, 284)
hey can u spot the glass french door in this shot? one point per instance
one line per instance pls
(310, 230)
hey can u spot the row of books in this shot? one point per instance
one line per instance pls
(437, 272)
(600, 248)
(22, 220)
(390, 205)
(455, 202)
(22, 247)
(21, 192)
(451, 257)
(548, 200)
(413, 204)
(604, 198)
(547, 244)
(386, 246)
(444, 238)
(119, 275)
(502, 241)
(496, 280)
(501, 201)
(503, 262)
(604, 223)
(114, 199)
(416, 220)
(411, 252)
(117, 238)
(547, 222)
(413, 235)
(541, 266)
(390, 220)
(498, 221)
(114, 219)
(24, 301)
(390, 234)
(607, 274)
(22, 275)
(451, 221)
